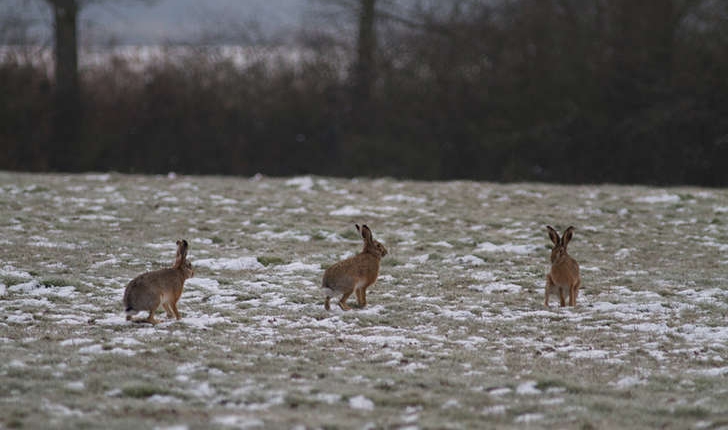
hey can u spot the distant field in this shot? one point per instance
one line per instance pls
(455, 335)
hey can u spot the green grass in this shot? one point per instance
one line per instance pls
(268, 260)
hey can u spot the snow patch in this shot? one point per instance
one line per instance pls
(238, 421)
(346, 211)
(529, 418)
(627, 382)
(420, 259)
(401, 198)
(528, 388)
(237, 264)
(298, 267)
(497, 287)
(658, 198)
(361, 403)
(507, 248)
(303, 183)
(284, 235)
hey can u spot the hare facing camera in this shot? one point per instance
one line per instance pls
(564, 274)
(354, 274)
(160, 287)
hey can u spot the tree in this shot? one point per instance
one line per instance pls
(67, 101)
(64, 147)
(363, 73)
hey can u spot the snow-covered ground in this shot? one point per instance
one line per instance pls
(455, 333)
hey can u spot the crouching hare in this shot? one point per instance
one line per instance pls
(160, 287)
(564, 274)
(354, 274)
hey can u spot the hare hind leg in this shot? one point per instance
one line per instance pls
(361, 297)
(562, 296)
(174, 309)
(574, 292)
(150, 319)
(342, 302)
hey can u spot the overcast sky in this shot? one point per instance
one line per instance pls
(162, 21)
(182, 20)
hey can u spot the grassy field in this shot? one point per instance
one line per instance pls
(456, 334)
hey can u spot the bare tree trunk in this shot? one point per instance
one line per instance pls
(364, 65)
(67, 110)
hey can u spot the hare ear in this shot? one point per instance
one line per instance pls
(553, 234)
(181, 252)
(366, 233)
(568, 235)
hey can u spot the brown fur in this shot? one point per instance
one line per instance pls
(564, 272)
(163, 287)
(354, 274)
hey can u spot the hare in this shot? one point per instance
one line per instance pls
(564, 272)
(147, 291)
(354, 274)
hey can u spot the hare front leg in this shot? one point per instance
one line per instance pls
(327, 306)
(342, 302)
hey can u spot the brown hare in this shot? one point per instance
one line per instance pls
(564, 274)
(354, 274)
(147, 291)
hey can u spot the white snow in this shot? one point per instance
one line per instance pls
(238, 421)
(283, 235)
(101, 177)
(627, 382)
(529, 418)
(362, 403)
(201, 322)
(76, 341)
(502, 391)
(528, 388)
(494, 410)
(506, 248)
(238, 264)
(420, 259)
(303, 183)
(346, 211)
(101, 349)
(401, 198)
(714, 372)
(298, 267)
(658, 198)
(497, 287)
(34, 288)
(110, 261)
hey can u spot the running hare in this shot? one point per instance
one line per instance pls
(354, 274)
(564, 274)
(147, 291)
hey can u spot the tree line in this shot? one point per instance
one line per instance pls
(569, 91)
